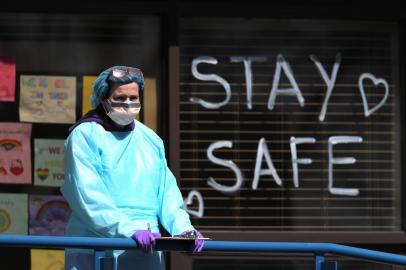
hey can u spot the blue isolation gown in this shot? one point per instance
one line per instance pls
(116, 183)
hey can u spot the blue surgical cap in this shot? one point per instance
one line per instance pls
(101, 86)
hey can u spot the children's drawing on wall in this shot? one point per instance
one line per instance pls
(7, 79)
(47, 99)
(13, 213)
(15, 153)
(86, 93)
(49, 215)
(48, 162)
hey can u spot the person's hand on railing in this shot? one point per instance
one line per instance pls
(198, 244)
(145, 240)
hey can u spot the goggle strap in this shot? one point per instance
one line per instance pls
(125, 105)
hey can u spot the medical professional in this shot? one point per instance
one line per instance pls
(117, 180)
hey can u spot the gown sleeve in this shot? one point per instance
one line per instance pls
(85, 191)
(172, 214)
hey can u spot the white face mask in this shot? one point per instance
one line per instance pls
(122, 113)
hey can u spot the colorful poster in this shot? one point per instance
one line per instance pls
(15, 153)
(47, 99)
(87, 92)
(7, 79)
(48, 162)
(47, 259)
(49, 215)
(13, 213)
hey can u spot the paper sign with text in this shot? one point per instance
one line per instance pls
(15, 153)
(48, 162)
(47, 99)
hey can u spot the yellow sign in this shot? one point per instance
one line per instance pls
(87, 92)
(47, 259)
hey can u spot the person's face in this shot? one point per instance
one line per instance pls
(125, 93)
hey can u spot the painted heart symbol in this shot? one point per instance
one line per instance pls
(16, 170)
(376, 81)
(42, 173)
(189, 201)
(16, 167)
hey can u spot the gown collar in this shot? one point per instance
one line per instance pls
(99, 116)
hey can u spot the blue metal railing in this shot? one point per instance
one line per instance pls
(100, 244)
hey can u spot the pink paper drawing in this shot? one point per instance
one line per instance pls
(7, 79)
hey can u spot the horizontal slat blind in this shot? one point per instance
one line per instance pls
(71, 28)
(364, 47)
(280, 262)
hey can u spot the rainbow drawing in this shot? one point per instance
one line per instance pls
(54, 210)
(49, 215)
(10, 144)
(5, 220)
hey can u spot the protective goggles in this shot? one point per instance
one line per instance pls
(121, 73)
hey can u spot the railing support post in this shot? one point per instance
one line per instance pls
(101, 262)
(318, 262)
(98, 259)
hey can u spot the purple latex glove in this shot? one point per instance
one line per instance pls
(145, 239)
(198, 244)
